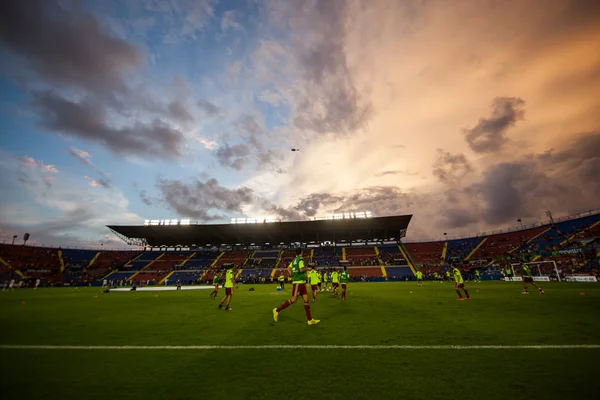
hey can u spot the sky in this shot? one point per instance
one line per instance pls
(468, 115)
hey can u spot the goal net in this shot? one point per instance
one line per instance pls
(541, 270)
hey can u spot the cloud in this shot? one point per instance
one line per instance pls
(207, 143)
(565, 182)
(394, 172)
(450, 168)
(235, 156)
(179, 111)
(66, 48)
(87, 119)
(97, 182)
(271, 97)
(86, 158)
(209, 108)
(183, 20)
(325, 99)
(489, 135)
(201, 199)
(146, 199)
(228, 22)
(33, 163)
(68, 212)
(458, 217)
(29, 162)
(381, 200)
(81, 155)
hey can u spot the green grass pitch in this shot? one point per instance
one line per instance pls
(376, 314)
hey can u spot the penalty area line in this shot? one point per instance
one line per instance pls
(307, 347)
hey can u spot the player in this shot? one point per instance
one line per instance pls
(448, 275)
(298, 271)
(229, 282)
(314, 283)
(216, 281)
(477, 276)
(326, 279)
(528, 278)
(344, 277)
(281, 280)
(435, 276)
(419, 278)
(11, 284)
(459, 283)
(320, 281)
(178, 284)
(335, 282)
(37, 283)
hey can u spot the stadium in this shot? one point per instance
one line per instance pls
(298, 199)
(158, 338)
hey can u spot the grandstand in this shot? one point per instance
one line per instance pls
(572, 243)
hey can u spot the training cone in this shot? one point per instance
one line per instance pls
(582, 293)
(411, 292)
(351, 292)
(95, 297)
(23, 303)
(477, 291)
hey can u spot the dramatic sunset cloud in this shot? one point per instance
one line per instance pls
(468, 115)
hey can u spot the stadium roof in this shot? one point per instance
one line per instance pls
(266, 233)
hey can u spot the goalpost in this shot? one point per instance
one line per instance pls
(539, 269)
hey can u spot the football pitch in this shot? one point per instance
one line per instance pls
(384, 342)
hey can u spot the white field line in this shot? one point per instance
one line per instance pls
(306, 347)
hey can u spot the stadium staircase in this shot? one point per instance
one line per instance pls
(312, 254)
(384, 272)
(165, 278)
(93, 260)
(517, 247)
(62, 261)
(113, 271)
(407, 257)
(250, 257)
(146, 267)
(214, 263)
(188, 259)
(378, 256)
(277, 264)
(444, 253)
(173, 271)
(475, 249)
(344, 254)
(16, 271)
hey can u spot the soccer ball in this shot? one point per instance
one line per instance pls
(279, 289)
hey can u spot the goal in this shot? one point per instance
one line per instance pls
(538, 269)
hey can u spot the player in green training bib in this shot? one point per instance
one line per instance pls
(478, 277)
(298, 271)
(314, 283)
(419, 278)
(459, 283)
(320, 282)
(281, 280)
(229, 283)
(335, 282)
(528, 278)
(344, 278)
(216, 282)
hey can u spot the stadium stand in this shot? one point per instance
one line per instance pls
(574, 244)
(361, 256)
(391, 255)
